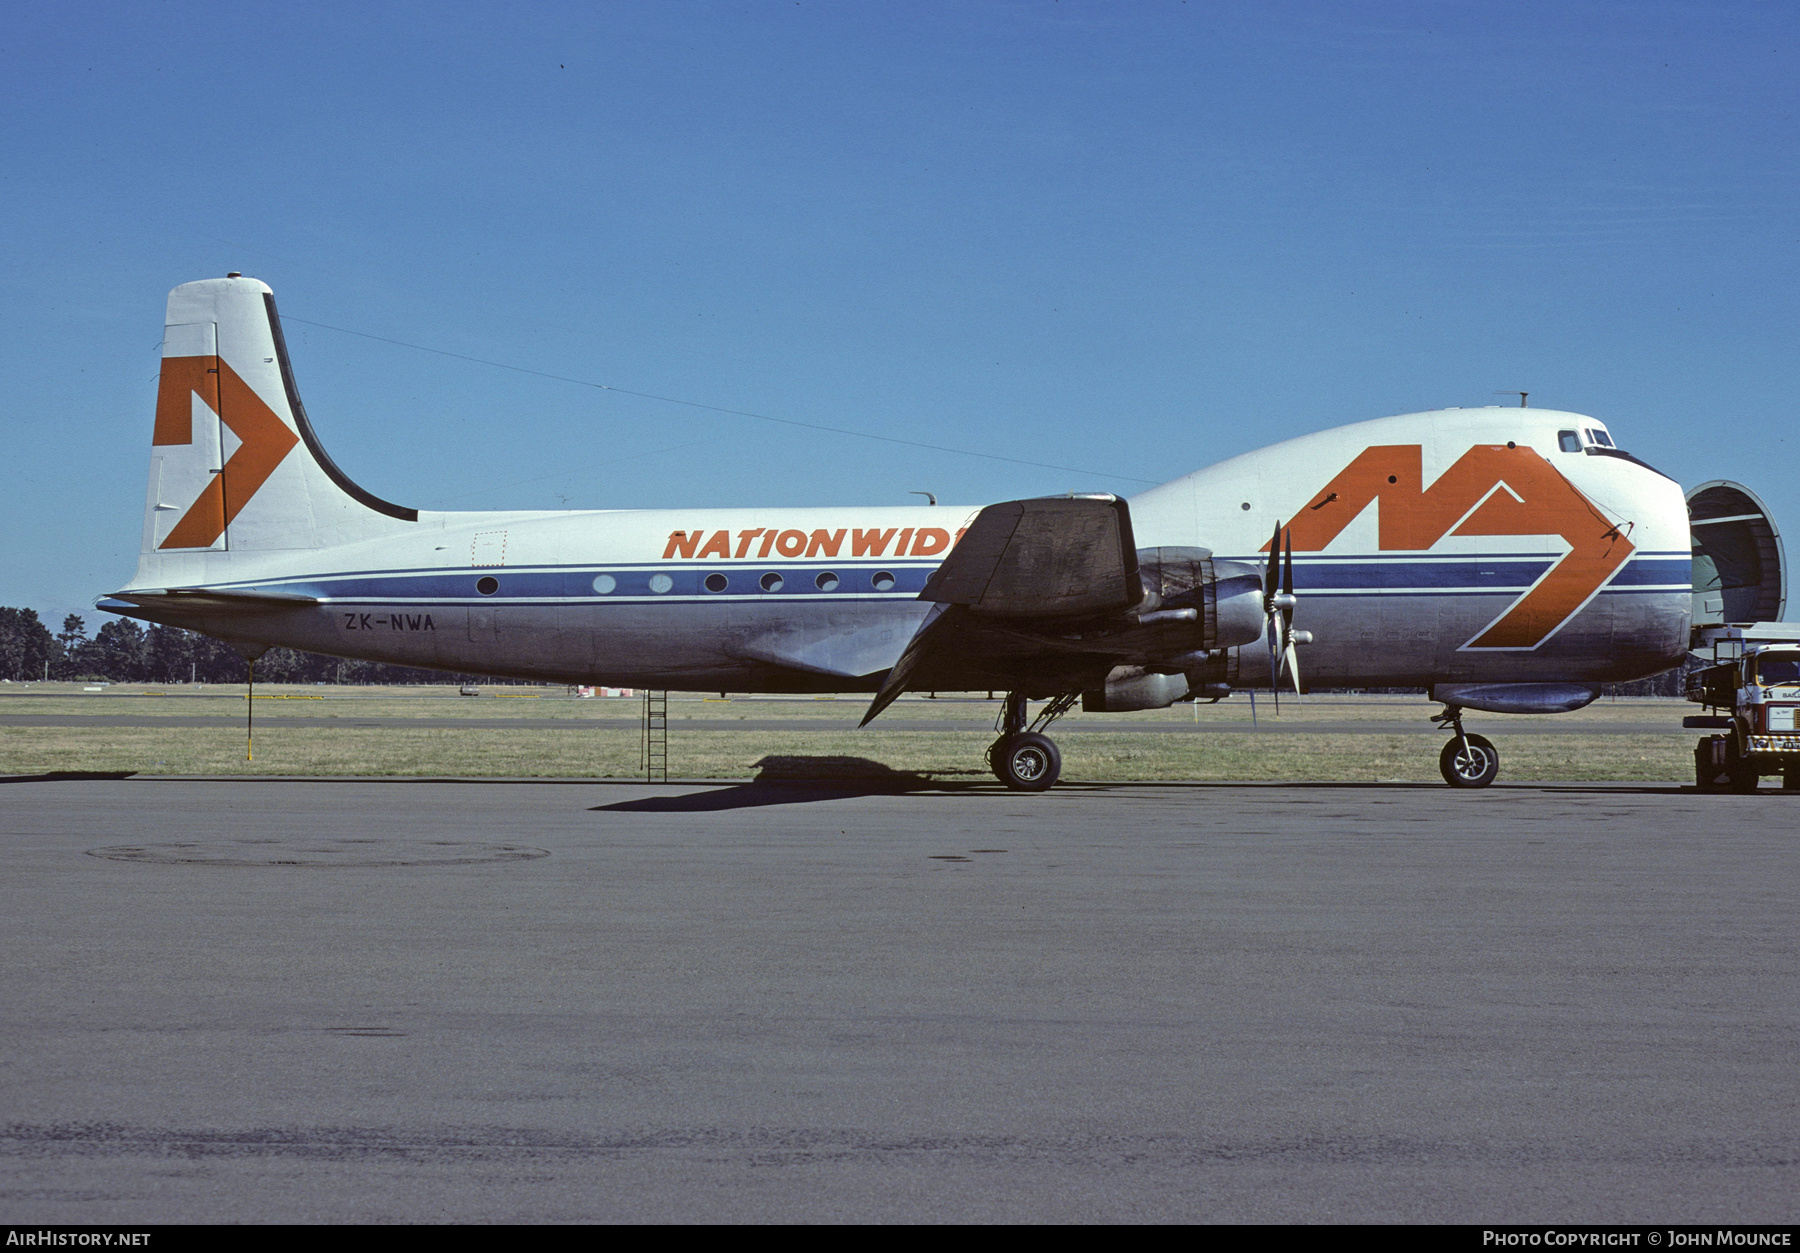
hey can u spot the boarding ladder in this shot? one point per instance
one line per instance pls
(653, 757)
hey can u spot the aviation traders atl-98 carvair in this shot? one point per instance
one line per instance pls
(1506, 559)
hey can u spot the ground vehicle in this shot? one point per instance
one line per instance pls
(1754, 683)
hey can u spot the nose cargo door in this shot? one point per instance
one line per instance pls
(1739, 572)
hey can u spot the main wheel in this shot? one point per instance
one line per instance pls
(1026, 762)
(1469, 761)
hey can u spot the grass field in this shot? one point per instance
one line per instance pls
(911, 738)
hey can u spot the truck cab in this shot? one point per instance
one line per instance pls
(1753, 687)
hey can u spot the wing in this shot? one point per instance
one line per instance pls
(1012, 595)
(1054, 558)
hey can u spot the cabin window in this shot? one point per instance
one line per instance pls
(660, 583)
(883, 581)
(826, 582)
(487, 585)
(771, 582)
(604, 584)
(1568, 441)
(716, 582)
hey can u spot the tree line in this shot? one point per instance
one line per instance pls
(122, 651)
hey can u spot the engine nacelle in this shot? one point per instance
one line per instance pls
(1130, 688)
(1226, 596)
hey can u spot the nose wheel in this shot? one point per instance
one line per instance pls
(1027, 760)
(1468, 760)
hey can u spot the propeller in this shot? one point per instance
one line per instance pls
(1278, 604)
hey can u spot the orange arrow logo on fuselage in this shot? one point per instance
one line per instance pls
(1491, 490)
(266, 440)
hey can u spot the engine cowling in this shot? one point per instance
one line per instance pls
(1226, 595)
(1206, 608)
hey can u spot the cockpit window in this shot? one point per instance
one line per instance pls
(1568, 441)
(1599, 437)
(1782, 669)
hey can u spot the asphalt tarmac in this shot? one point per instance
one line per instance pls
(416, 1001)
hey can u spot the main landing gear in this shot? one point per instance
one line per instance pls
(1027, 760)
(1468, 760)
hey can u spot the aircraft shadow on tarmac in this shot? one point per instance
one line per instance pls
(68, 776)
(798, 780)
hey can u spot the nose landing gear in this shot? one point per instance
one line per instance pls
(1027, 760)
(1468, 760)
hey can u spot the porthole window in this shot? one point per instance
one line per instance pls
(716, 582)
(883, 581)
(487, 585)
(826, 582)
(771, 582)
(1568, 441)
(605, 584)
(1245, 506)
(660, 583)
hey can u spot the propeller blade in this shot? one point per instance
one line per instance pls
(1287, 575)
(1274, 659)
(1269, 571)
(1290, 659)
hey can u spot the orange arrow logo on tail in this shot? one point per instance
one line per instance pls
(1491, 490)
(266, 440)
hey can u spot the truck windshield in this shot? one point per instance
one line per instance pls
(1781, 669)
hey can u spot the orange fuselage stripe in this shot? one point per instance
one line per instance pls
(1525, 495)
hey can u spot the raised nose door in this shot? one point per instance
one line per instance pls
(1739, 572)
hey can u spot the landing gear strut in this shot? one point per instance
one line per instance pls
(1027, 760)
(1468, 760)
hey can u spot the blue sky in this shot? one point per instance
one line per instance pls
(1129, 239)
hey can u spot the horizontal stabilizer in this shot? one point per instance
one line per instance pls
(1057, 557)
(203, 601)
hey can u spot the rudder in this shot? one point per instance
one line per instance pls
(235, 465)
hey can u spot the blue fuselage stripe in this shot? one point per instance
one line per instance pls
(863, 580)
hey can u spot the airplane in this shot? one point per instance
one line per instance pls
(1503, 559)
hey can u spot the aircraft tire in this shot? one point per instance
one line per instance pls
(1477, 765)
(1026, 762)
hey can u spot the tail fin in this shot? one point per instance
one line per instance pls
(234, 464)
